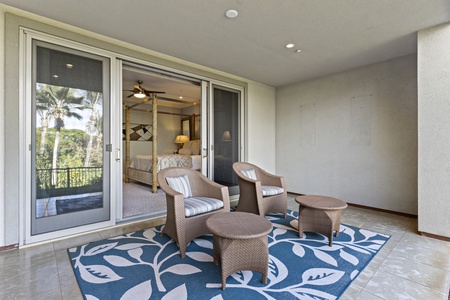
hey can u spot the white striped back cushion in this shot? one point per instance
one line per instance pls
(249, 173)
(268, 190)
(181, 185)
(199, 205)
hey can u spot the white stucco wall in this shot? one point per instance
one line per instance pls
(434, 130)
(352, 135)
(261, 126)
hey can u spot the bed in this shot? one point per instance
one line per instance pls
(140, 168)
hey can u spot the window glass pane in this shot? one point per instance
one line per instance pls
(226, 139)
(68, 70)
(69, 133)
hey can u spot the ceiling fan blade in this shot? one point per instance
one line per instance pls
(130, 96)
(154, 92)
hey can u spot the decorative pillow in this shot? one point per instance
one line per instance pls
(181, 185)
(185, 151)
(187, 145)
(195, 148)
(249, 173)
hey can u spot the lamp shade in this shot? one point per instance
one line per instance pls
(226, 137)
(181, 139)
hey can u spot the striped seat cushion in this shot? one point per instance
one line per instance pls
(199, 205)
(181, 185)
(249, 173)
(268, 190)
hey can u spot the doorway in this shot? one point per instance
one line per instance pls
(178, 114)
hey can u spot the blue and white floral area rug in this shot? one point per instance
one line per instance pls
(146, 265)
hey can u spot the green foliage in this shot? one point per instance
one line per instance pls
(58, 147)
(72, 148)
(72, 152)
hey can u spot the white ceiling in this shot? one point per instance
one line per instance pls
(334, 35)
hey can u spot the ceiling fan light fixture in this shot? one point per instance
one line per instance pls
(139, 95)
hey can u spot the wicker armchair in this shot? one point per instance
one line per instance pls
(178, 226)
(251, 198)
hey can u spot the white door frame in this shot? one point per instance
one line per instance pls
(25, 37)
(25, 97)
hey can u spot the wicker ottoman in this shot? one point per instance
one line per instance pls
(319, 214)
(240, 243)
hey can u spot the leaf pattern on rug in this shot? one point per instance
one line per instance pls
(146, 264)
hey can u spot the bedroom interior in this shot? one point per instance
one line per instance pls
(178, 134)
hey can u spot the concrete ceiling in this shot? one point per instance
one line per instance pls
(334, 35)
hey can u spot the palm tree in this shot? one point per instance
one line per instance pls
(42, 104)
(91, 101)
(60, 103)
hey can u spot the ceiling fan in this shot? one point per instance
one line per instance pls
(140, 92)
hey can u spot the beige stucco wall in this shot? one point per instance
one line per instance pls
(352, 135)
(261, 126)
(434, 130)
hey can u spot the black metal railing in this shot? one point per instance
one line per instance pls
(52, 182)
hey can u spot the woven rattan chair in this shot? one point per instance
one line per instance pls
(179, 227)
(251, 197)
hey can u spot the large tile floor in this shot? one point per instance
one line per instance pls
(409, 266)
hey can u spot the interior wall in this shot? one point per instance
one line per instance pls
(434, 129)
(352, 135)
(168, 129)
(194, 110)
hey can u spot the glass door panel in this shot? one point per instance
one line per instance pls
(226, 139)
(70, 168)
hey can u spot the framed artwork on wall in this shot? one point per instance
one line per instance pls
(139, 132)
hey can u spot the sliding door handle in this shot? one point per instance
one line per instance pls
(117, 154)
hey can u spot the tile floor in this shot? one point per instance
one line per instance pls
(409, 266)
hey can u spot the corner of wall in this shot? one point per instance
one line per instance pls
(433, 130)
(2, 126)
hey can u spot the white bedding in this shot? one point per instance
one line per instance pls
(144, 161)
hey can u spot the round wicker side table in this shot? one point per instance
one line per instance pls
(319, 214)
(240, 243)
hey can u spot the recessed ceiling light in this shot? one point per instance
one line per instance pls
(290, 46)
(298, 50)
(231, 14)
(55, 76)
(181, 97)
(69, 66)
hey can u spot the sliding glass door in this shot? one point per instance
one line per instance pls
(69, 138)
(226, 135)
